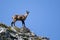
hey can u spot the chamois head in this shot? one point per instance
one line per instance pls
(27, 12)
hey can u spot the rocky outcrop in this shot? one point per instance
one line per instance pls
(15, 33)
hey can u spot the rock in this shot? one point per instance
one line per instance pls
(2, 29)
(12, 28)
(24, 29)
(15, 33)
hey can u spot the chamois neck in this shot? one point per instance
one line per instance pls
(26, 14)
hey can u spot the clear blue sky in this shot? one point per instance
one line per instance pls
(44, 17)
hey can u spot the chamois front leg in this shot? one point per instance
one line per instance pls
(23, 23)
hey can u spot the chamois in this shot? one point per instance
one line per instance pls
(21, 18)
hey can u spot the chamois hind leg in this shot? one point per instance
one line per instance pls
(13, 23)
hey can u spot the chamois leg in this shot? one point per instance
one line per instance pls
(23, 23)
(12, 23)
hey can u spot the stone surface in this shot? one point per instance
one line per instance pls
(15, 33)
